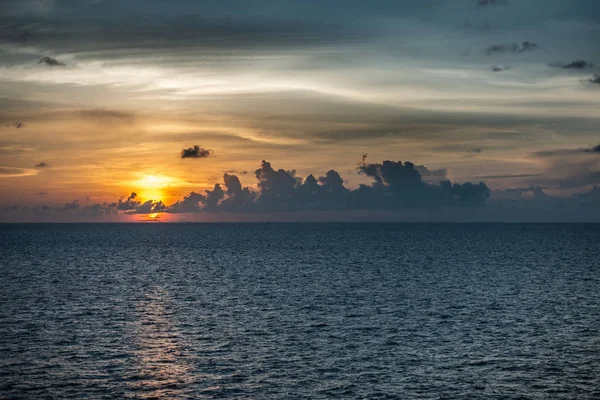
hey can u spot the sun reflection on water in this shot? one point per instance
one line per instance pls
(163, 368)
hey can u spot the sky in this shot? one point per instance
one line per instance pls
(299, 110)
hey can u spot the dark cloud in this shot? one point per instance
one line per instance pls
(133, 206)
(475, 150)
(396, 185)
(500, 68)
(403, 186)
(72, 206)
(42, 165)
(196, 152)
(578, 64)
(51, 62)
(595, 149)
(148, 207)
(235, 171)
(483, 3)
(536, 191)
(191, 203)
(595, 79)
(568, 152)
(172, 34)
(512, 48)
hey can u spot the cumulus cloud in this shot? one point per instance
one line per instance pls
(401, 185)
(440, 174)
(512, 48)
(196, 152)
(51, 62)
(191, 203)
(395, 185)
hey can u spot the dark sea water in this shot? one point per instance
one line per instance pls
(292, 311)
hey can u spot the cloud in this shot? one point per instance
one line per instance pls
(196, 152)
(578, 64)
(51, 62)
(191, 203)
(512, 48)
(568, 152)
(432, 175)
(133, 206)
(570, 168)
(91, 37)
(396, 185)
(234, 171)
(483, 3)
(9, 172)
(595, 149)
(41, 165)
(402, 186)
(507, 176)
(595, 79)
(500, 68)
(475, 150)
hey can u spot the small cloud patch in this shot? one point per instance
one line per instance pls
(196, 152)
(51, 62)
(526, 46)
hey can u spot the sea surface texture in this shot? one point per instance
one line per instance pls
(299, 311)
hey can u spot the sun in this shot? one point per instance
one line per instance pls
(152, 187)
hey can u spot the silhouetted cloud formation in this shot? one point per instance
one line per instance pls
(396, 185)
(439, 174)
(511, 48)
(196, 152)
(595, 149)
(133, 206)
(41, 165)
(51, 62)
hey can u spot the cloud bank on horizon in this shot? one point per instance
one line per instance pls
(499, 92)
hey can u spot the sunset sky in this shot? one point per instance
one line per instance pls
(100, 99)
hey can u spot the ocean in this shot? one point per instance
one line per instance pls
(300, 311)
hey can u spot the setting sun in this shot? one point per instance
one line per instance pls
(152, 187)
